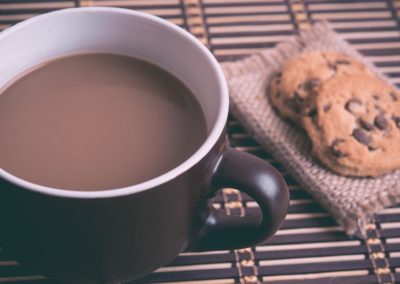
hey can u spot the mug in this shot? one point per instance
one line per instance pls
(126, 233)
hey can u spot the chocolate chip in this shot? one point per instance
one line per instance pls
(376, 97)
(361, 136)
(354, 105)
(293, 103)
(327, 107)
(332, 66)
(337, 141)
(396, 120)
(297, 97)
(277, 80)
(310, 84)
(313, 82)
(342, 61)
(372, 148)
(366, 125)
(278, 75)
(393, 96)
(335, 150)
(313, 111)
(338, 154)
(381, 122)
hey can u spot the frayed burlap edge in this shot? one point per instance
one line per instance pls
(351, 201)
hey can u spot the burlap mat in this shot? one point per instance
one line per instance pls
(352, 201)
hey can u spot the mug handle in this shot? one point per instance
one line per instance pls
(260, 181)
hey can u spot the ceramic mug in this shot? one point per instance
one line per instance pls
(126, 233)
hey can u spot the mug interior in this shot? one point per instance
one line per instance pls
(124, 32)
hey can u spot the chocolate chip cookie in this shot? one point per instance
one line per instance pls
(354, 125)
(303, 75)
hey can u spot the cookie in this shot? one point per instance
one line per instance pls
(303, 75)
(355, 125)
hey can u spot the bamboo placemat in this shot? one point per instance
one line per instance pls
(310, 247)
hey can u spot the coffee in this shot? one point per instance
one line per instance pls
(97, 121)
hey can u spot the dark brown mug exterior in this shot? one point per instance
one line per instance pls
(126, 237)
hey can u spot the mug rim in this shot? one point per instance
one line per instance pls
(212, 138)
